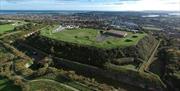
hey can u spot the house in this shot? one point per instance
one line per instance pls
(116, 33)
(62, 28)
(134, 31)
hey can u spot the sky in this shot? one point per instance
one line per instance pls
(94, 5)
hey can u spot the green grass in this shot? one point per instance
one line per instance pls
(19, 23)
(6, 28)
(9, 27)
(67, 81)
(6, 85)
(46, 86)
(86, 36)
(130, 66)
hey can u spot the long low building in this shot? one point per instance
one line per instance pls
(116, 33)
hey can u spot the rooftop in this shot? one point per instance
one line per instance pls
(117, 33)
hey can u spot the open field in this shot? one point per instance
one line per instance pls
(6, 28)
(86, 36)
(9, 27)
(48, 85)
(63, 79)
(5, 85)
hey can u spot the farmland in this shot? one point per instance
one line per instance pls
(88, 36)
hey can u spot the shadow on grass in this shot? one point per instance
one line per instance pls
(9, 86)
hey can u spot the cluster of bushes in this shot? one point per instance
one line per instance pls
(84, 54)
(12, 38)
(77, 81)
(87, 81)
(18, 81)
(6, 56)
(89, 54)
(170, 56)
(172, 66)
(42, 71)
(4, 23)
(5, 70)
(21, 69)
(114, 72)
(28, 27)
(12, 83)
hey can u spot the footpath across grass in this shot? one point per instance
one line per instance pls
(63, 79)
(88, 36)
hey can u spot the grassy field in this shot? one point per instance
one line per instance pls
(6, 85)
(47, 85)
(6, 28)
(64, 80)
(9, 27)
(86, 36)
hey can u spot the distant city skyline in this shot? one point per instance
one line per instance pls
(94, 5)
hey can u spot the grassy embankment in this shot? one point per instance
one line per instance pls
(47, 85)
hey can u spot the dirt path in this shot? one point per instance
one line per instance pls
(67, 86)
(146, 65)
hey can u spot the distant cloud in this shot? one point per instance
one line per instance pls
(135, 5)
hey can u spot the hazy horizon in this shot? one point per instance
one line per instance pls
(92, 5)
